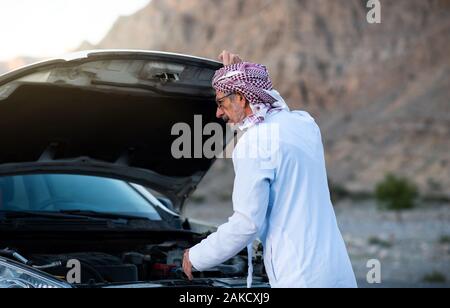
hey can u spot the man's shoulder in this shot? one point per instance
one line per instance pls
(288, 121)
(294, 115)
(271, 130)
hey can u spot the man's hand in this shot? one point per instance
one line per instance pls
(229, 58)
(187, 265)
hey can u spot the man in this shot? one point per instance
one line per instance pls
(282, 195)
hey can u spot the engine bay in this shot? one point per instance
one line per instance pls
(152, 263)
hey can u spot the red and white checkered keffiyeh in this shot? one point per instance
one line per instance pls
(253, 81)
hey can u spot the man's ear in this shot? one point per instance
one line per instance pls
(242, 100)
(245, 104)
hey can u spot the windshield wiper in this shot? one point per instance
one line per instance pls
(71, 214)
(37, 214)
(105, 215)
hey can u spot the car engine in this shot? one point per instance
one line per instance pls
(150, 263)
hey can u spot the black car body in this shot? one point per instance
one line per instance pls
(87, 176)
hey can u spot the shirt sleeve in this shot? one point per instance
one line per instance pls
(250, 202)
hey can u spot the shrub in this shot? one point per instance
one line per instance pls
(197, 198)
(337, 192)
(396, 194)
(375, 241)
(435, 277)
(445, 239)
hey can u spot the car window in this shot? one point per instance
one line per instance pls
(20, 198)
(54, 192)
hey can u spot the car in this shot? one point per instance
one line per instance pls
(90, 193)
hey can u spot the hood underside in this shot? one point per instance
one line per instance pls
(84, 118)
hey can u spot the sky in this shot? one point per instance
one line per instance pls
(49, 28)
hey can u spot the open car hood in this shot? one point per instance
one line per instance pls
(107, 113)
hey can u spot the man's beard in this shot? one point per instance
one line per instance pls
(239, 116)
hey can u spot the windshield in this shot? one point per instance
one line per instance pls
(55, 193)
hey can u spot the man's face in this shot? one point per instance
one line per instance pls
(230, 107)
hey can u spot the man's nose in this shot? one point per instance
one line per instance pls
(219, 112)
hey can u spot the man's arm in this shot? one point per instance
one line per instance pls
(250, 202)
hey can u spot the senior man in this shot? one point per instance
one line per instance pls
(280, 196)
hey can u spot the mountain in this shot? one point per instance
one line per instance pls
(380, 92)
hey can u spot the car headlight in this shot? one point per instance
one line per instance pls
(16, 276)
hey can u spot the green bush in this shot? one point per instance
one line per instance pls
(396, 194)
(337, 192)
(375, 241)
(435, 277)
(195, 198)
(444, 239)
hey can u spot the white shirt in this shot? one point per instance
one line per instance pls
(282, 196)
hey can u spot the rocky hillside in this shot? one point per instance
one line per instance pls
(381, 93)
